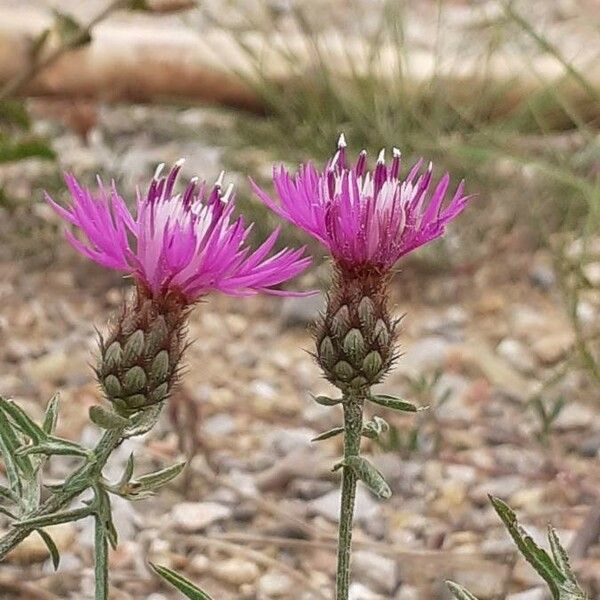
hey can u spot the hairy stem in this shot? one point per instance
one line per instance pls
(353, 418)
(101, 559)
(81, 480)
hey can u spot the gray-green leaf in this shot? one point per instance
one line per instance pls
(54, 553)
(186, 587)
(537, 557)
(369, 475)
(459, 592)
(393, 402)
(326, 400)
(106, 418)
(328, 434)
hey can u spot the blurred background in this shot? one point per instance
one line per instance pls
(501, 334)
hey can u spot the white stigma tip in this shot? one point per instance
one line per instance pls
(430, 166)
(159, 170)
(180, 162)
(220, 178)
(342, 141)
(396, 152)
(381, 157)
(227, 195)
(194, 180)
(363, 152)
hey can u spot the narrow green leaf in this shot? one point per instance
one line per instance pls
(65, 516)
(369, 475)
(326, 400)
(186, 587)
(54, 553)
(537, 557)
(15, 465)
(128, 471)
(328, 434)
(22, 420)
(54, 446)
(8, 494)
(8, 513)
(156, 480)
(393, 402)
(459, 592)
(106, 418)
(51, 415)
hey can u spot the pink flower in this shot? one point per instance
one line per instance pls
(365, 219)
(186, 242)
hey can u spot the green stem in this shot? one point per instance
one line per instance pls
(101, 559)
(353, 418)
(81, 480)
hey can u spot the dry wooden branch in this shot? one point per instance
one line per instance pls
(145, 59)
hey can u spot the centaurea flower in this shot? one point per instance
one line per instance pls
(178, 247)
(367, 221)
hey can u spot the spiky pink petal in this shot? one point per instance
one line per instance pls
(189, 242)
(365, 219)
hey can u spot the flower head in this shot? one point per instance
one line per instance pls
(365, 219)
(187, 243)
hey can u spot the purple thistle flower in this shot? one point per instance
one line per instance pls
(365, 219)
(186, 243)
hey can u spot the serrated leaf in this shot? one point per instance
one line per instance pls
(393, 403)
(328, 434)
(52, 548)
(459, 592)
(369, 475)
(326, 400)
(106, 418)
(51, 415)
(186, 587)
(537, 557)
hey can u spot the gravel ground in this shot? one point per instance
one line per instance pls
(254, 514)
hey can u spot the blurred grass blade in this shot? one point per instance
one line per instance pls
(11, 151)
(186, 587)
